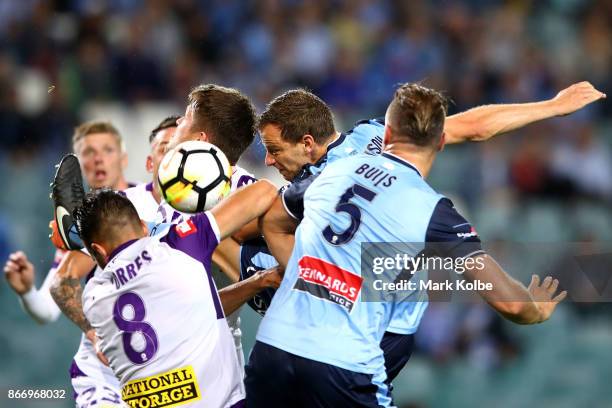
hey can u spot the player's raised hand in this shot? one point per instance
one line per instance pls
(19, 272)
(576, 97)
(544, 295)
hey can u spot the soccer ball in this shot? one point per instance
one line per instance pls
(194, 176)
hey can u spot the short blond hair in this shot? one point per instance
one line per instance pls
(95, 126)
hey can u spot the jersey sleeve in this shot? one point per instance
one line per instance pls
(38, 303)
(449, 234)
(367, 135)
(197, 236)
(293, 196)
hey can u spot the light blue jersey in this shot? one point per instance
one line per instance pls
(318, 311)
(367, 137)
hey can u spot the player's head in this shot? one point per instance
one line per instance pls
(416, 117)
(159, 139)
(295, 128)
(100, 150)
(218, 115)
(105, 220)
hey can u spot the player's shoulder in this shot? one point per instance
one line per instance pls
(142, 197)
(98, 286)
(366, 136)
(137, 190)
(376, 122)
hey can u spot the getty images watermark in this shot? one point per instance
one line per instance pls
(406, 266)
(451, 272)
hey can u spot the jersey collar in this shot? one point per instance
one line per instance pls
(401, 161)
(120, 248)
(305, 172)
(336, 142)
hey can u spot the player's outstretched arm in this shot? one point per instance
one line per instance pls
(66, 289)
(484, 122)
(243, 206)
(278, 228)
(237, 294)
(510, 298)
(19, 273)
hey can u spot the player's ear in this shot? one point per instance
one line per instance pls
(99, 253)
(442, 142)
(145, 228)
(309, 143)
(202, 136)
(124, 160)
(149, 164)
(387, 136)
(99, 249)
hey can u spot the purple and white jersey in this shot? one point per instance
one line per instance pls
(91, 380)
(166, 214)
(157, 313)
(141, 196)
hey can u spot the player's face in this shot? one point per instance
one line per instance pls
(287, 157)
(184, 130)
(102, 160)
(158, 149)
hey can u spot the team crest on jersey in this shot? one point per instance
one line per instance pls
(171, 388)
(186, 228)
(329, 282)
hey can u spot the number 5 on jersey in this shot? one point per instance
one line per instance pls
(353, 211)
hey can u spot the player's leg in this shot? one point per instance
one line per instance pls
(397, 349)
(269, 378)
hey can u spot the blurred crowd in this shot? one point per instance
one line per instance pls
(59, 56)
(56, 57)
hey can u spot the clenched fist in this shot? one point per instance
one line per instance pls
(19, 272)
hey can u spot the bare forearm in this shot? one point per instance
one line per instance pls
(243, 206)
(227, 258)
(280, 245)
(521, 313)
(278, 229)
(67, 293)
(237, 294)
(508, 296)
(484, 122)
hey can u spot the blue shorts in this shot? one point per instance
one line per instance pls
(275, 378)
(397, 349)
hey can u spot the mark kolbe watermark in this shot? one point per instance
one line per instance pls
(405, 266)
(405, 269)
(429, 285)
